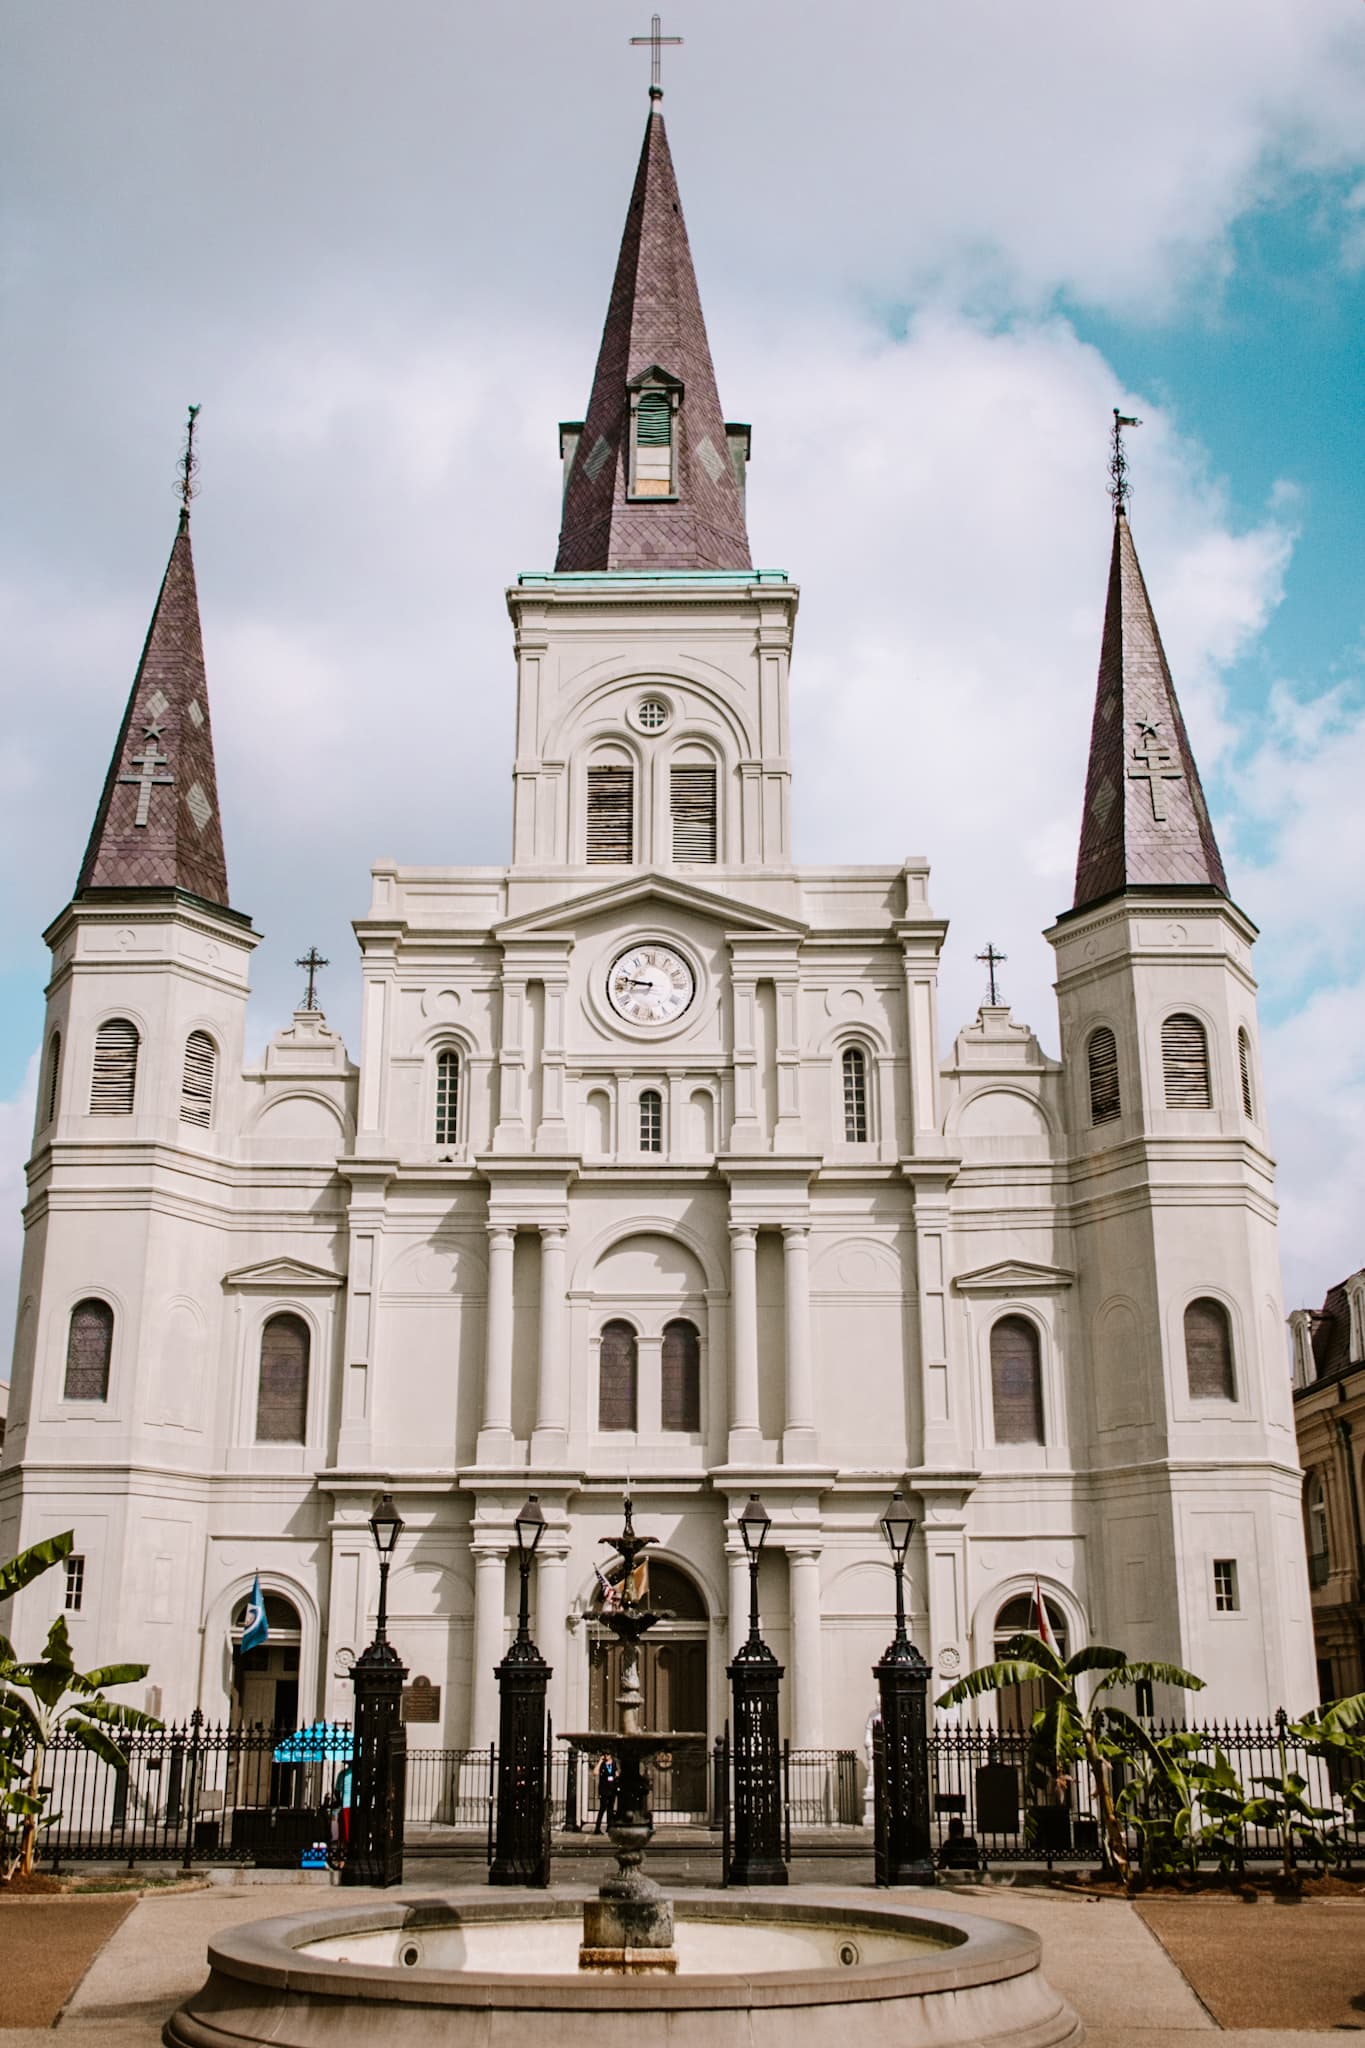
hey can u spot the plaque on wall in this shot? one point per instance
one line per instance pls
(421, 1701)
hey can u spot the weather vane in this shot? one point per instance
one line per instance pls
(188, 467)
(990, 960)
(1119, 487)
(654, 43)
(312, 960)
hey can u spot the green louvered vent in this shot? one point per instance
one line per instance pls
(654, 421)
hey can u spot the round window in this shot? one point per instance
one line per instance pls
(652, 714)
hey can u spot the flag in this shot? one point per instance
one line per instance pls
(1042, 1626)
(255, 1627)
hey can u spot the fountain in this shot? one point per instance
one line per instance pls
(626, 1966)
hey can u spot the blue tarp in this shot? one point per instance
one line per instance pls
(321, 1742)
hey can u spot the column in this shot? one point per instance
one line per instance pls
(807, 1656)
(495, 1438)
(798, 1437)
(552, 1637)
(744, 1438)
(739, 1595)
(550, 1441)
(490, 1631)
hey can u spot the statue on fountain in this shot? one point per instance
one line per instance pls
(628, 1927)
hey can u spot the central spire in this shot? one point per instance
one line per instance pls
(654, 476)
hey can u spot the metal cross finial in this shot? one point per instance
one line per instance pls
(1119, 487)
(991, 960)
(654, 42)
(148, 761)
(312, 960)
(188, 466)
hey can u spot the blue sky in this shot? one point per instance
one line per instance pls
(376, 245)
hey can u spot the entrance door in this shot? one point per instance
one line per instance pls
(673, 1674)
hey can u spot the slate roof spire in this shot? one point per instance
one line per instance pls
(654, 341)
(1145, 823)
(157, 826)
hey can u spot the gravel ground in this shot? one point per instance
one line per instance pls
(1268, 1964)
(46, 1947)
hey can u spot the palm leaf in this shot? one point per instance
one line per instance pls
(1128, 1673)
(1338, 1715)
(98, 1743)
(113, 1674)
(993, 1678)
(1026, 1645)
(39, 1557)
(1095, 1657)
(113, 1714)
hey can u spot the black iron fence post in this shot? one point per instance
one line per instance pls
(903, 1785)
(192, 1789)
(572, 1824)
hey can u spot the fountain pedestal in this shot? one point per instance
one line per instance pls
(628, 1927)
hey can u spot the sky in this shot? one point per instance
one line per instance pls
(936, 246)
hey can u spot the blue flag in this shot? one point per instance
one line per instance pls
(255, 1628)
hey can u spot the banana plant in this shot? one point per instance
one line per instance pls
(1069, 1728)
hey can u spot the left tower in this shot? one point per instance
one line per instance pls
(129, 1190)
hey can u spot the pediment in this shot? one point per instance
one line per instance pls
(288, 1276)
(650, 889)
(1014, 1276)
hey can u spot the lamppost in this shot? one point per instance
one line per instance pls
(522, 1851)
(904, 1853)
(374, 1846)
(756, 1846)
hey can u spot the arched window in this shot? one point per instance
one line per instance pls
(114, 1078)
(653, 446)
(1208, 1351)
(196, 1083)
(1102, 1058)
(1016, 1381)
(651, 1120)
(1019, 1703)
(611, 815)
(447, 1097)
(1315, 1529)
(681, 1387)
(1244, 1065)
(54, 1075)
(854, 1065)
(89, 1348)
(617, 1378)
(1185, 1064)
(282, 1396)
(692, 802)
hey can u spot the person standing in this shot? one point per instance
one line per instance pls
(608, 1781)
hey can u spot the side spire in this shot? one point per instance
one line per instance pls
(654, 474)
(1146, 824)
(157, 826)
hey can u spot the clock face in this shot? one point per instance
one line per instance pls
(650, 984)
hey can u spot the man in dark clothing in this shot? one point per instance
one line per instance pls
(608, 1779)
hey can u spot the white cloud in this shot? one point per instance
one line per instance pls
(1315, 1077)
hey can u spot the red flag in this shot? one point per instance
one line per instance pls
(1042, 1626)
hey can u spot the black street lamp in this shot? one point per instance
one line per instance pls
(755, 1675)
(379, 1764)
(522, 1850)
(904, 1852)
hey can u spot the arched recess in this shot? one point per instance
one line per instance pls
(1004, 1124)
(647, 1225)
(1061, 1604)
(221, 1627)
(300, 1115)
(598, 713)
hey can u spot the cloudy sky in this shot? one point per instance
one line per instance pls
(936, 244)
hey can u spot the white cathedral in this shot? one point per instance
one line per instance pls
(652, 1166)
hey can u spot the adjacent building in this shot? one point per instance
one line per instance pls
(1329, 1417)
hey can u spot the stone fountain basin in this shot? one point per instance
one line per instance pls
(766, 1970)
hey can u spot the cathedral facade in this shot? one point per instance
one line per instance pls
(652, 1170)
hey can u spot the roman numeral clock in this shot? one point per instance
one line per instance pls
(650, 984)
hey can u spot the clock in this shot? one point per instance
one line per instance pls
(650, 984)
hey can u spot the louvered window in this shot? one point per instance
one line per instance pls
(1315, 1529)
(196, 1086)
(1208, 1352)
(855, 1095)
(692, 793)
(654, 446)
(618, 1374)
(115, 1075)
(680, 1391)
(1103, 1057)
(611, 816)
(282, 1397)
(651, 1121)
(447, 1097)
(89, 1348)
(1016, 1381)
(54, 1076)
(1185, 1064)
(1244, 1063)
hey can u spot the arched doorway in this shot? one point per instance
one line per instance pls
(266, 1681)
(673, 1673)
(1019, 1703)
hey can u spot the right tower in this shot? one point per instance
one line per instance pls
(1184, 1391)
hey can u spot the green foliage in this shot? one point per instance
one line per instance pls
(45, 1698)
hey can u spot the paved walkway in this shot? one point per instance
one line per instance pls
(1158, 1974)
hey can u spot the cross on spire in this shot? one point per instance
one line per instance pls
(312, 960)
(654, 42)
(990, 960)
(188, 467)
(1119, 486)
(149, 760)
